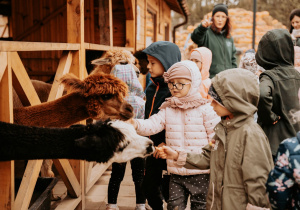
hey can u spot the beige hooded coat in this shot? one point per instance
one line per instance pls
(241, 159)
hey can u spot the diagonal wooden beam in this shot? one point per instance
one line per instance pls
(27, 185)
(22, 83)
(63, 68)
(41, 23)
(68, 176)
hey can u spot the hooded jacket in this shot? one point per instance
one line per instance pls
(167, 53)
(186, 129)
(206, 58)
(279, 86)
(240, 159)
(223, 49)
(135, 90)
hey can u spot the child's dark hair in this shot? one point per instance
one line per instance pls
(295, 12)
(142, 57)
(226, 28)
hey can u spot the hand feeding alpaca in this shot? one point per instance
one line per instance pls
(114, 141)
(114, 57)
(99, 96)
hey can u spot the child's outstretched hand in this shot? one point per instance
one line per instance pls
(156, 152)
(166, 152)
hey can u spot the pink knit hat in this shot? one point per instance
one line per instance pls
(176, 71)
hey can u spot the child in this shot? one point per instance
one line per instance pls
(136, 99)
(161, 56)
(279, 86)
(284, 180)
(202, 56)
(189, 121)
(239, 157)
(248, 62)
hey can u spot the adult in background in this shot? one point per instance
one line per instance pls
(279, 86)
(295, 33)
(215, 35)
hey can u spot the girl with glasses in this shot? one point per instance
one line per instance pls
(189, 121)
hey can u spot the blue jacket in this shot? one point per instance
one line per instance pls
(283, 184)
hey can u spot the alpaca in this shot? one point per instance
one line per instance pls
(99, 96)
(103, 141)
(114, 57)
(42, 89)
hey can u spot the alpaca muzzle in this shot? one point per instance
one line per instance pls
(127, 112)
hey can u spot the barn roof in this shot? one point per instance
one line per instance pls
(179, 6)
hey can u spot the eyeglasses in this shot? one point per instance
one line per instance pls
(178, 86)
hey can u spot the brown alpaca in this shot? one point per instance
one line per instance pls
(114, 57)
(99, 96)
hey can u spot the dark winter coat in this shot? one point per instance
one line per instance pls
(279, 86)
(223, 49)
(167, 53)
(284, 180)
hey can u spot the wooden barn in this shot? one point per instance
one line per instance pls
(46, 39)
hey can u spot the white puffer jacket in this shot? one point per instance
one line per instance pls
(186, 129)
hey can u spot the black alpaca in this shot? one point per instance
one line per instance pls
(101, 142)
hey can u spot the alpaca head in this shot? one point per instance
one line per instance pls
(104, 95)
(112, 58)
(113, 141)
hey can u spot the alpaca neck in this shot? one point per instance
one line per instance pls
(21, 142)
(62, 112)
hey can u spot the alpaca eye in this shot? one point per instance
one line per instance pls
(106, 97)
(123, 62)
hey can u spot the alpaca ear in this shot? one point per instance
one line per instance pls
(101, 61)
(72, 83)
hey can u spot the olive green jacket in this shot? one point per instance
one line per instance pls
(223, 49)
(241, 159)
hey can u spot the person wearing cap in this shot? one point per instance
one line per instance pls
(239, 155)
(215, 35)
(189, 121)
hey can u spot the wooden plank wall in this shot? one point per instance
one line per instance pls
(163, 15)
(46, 21)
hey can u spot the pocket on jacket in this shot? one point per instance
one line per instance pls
(234, 198)
(237, 157)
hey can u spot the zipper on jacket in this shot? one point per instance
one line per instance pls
(157, 88)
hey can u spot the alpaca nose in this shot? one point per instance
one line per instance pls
(150, 148)
(129, 108)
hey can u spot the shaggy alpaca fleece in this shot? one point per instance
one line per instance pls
(114, 141)
(99, 96)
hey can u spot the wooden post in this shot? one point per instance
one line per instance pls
(7, 192)
(75, 34)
